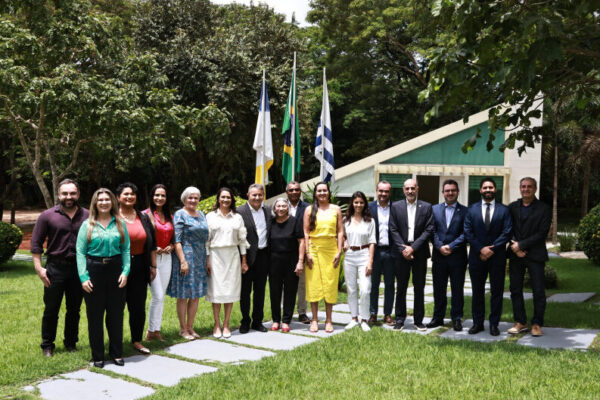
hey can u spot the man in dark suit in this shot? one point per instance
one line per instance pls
(383, 262)
(297, 208)
(411, 227)
(449, 256)
(257, 219)
(531, 222)
(488, 227)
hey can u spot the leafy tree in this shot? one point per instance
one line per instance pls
(73, 89)
(513, 52)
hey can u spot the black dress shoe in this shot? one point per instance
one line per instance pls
(99, 364)
(48, 352)
(420, 327)
(303, 318)
(457, 325)
(119, 361)
(494, 331)
(244, 328)
(475, 329)
(399, 325)
(71, 349)
(434, 323)
(259, 327)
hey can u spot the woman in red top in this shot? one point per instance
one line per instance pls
(143, 261)
(160, 216)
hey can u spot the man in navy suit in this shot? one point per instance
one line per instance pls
(488, 228)
(297, 208)
(449, 256)
(383, 262)
(531, 223)
(411, 227)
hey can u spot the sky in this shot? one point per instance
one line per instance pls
(287, 7)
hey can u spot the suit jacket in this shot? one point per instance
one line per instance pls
(532, 231)
(497, 235)
(150, 243)
(300, 213)
(399, 228)
(373, 208)
(453, 235)
(252, 235)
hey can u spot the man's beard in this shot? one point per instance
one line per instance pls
(74, 203)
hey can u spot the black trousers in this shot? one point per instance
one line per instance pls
(282, 278)
(442, 271)
(106, 297)
(383, 264)
(137, 290)
(517, 274)
(255, 279)
(64, 281)
(479, 271)
(419, 271)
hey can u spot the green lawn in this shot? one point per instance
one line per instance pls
(380, 364)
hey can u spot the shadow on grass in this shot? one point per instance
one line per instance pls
(16, 269)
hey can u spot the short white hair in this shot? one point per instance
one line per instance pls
(279, 200)
(189, 191)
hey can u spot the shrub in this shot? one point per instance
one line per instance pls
(567, 241)
(207, 204)
(589, 235)
(10, 240)
(550, 278)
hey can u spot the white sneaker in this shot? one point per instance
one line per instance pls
(351, 325)
(365, 327)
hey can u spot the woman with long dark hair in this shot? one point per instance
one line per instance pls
(160, 217)
(103, 264)
(359, 230)
(189, 273)
(143, 261)
(226, 262)
(324, 238)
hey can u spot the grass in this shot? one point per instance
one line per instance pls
(379, 364)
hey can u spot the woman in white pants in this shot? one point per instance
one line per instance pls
(160, 216)
(359, 230)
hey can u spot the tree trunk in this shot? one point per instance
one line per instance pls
(555, 192)
(585, 191)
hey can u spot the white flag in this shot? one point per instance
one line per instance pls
(263, 143)
(324, 142)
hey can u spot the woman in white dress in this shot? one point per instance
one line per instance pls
(226, 242)
(359, 231)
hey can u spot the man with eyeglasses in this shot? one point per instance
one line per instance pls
(297, 208)
(449, 256)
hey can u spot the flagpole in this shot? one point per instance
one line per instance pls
(293, 135)
(263, 108)
(321, 174)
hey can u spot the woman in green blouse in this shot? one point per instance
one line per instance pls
(103, 263)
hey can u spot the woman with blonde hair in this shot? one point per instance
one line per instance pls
(324, 238)
(103, 263)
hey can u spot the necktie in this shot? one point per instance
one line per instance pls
(487, 216)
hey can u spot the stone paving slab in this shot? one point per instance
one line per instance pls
(481, 336)
(221, 351)
(341, 308)
(270, 340)
(561, 338)
(526, 295)
(86, 385)
(570, 297)
(410, 328)
(158, 369)
(303, 329)
(575, 255)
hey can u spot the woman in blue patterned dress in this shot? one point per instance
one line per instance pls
(188, 276)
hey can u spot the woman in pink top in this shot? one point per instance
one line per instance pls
(160, 216)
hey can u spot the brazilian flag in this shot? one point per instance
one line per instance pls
(291, 142)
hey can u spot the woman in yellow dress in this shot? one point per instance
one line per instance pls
(324, 239)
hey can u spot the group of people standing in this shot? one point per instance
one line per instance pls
(494, 233)
(111, 253)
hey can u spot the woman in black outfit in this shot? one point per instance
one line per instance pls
(286, 242)
(143, 261)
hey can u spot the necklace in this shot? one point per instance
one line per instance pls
(127, 219)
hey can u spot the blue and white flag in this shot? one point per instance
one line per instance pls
(263, 144)
(324, 143)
